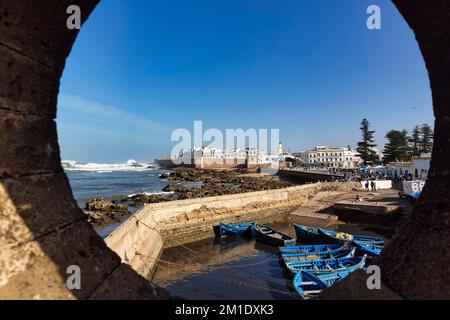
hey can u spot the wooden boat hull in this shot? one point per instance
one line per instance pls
(272, 237)
(334, 254)
(239, 229)
(310, 284)
(367, 248)
(330, 236)
(310, 248)
(326, 265)
(306, 234)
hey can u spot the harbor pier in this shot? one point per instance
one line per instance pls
(140, 240)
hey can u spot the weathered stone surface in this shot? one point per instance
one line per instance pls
(124, 285)
(76, 244)
(26, 205)
(29, 145)
(421, 246)
(26, 85)
(27, 272)
(38, 29)
(42, 231)
(354, 288)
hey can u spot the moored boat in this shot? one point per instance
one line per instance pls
(272, 237)
(333, 254)
(307, 234)
(327, 265)
(330, 236)
(311, 248)
(310, 284)
(235, 229)
(368, 248)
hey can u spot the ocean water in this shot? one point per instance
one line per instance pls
(113, 182)
(113, 185)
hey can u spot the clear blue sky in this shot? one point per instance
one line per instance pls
(140, 69)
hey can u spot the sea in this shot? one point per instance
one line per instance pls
(113, 182)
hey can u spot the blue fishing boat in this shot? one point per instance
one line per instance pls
(310, 284)
(327, 265)
(237, 229)
(330, 236)
(368, 248)
(311, 248)
(272, 237)
(414, 196)
(307, 234)
(333, 254)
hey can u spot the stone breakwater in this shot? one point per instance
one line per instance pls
(140, 240)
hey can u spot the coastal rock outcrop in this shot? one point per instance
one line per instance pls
(141, 199)
(218, 183)
(101, 212)
(172, 187)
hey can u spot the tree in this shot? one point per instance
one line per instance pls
(416, 141)
(366, 147)
(426, 139)
(397, 147)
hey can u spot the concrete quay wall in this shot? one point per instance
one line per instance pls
(140, 240)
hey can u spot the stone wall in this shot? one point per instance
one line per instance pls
(41, 228)
(140, 239)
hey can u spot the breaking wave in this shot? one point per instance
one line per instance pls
(131, 165)
(156, 193)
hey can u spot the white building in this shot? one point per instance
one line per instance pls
(352, 160)
(332, 157)
(260, 158)
(420, 166)
(399, 169)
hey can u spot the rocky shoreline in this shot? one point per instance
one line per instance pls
(104, 212)
(209, 183)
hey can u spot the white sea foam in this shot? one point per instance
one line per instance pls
(131, 165)
(152, 193)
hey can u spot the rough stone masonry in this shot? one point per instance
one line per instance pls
(42, 231)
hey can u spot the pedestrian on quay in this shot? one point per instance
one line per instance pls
(374, 186)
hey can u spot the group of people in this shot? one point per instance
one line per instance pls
(370, 186)
(398, 180)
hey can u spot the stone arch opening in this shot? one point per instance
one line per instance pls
(42, 231)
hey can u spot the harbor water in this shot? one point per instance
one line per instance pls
(234, 267)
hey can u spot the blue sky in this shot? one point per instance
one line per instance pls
(142, 68)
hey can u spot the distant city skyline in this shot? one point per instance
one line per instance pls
(141, 69)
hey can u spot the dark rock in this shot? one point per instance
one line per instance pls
(141, 199)
(171, 187)
(101, 211)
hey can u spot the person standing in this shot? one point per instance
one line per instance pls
(367, 185)
(373, 185)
